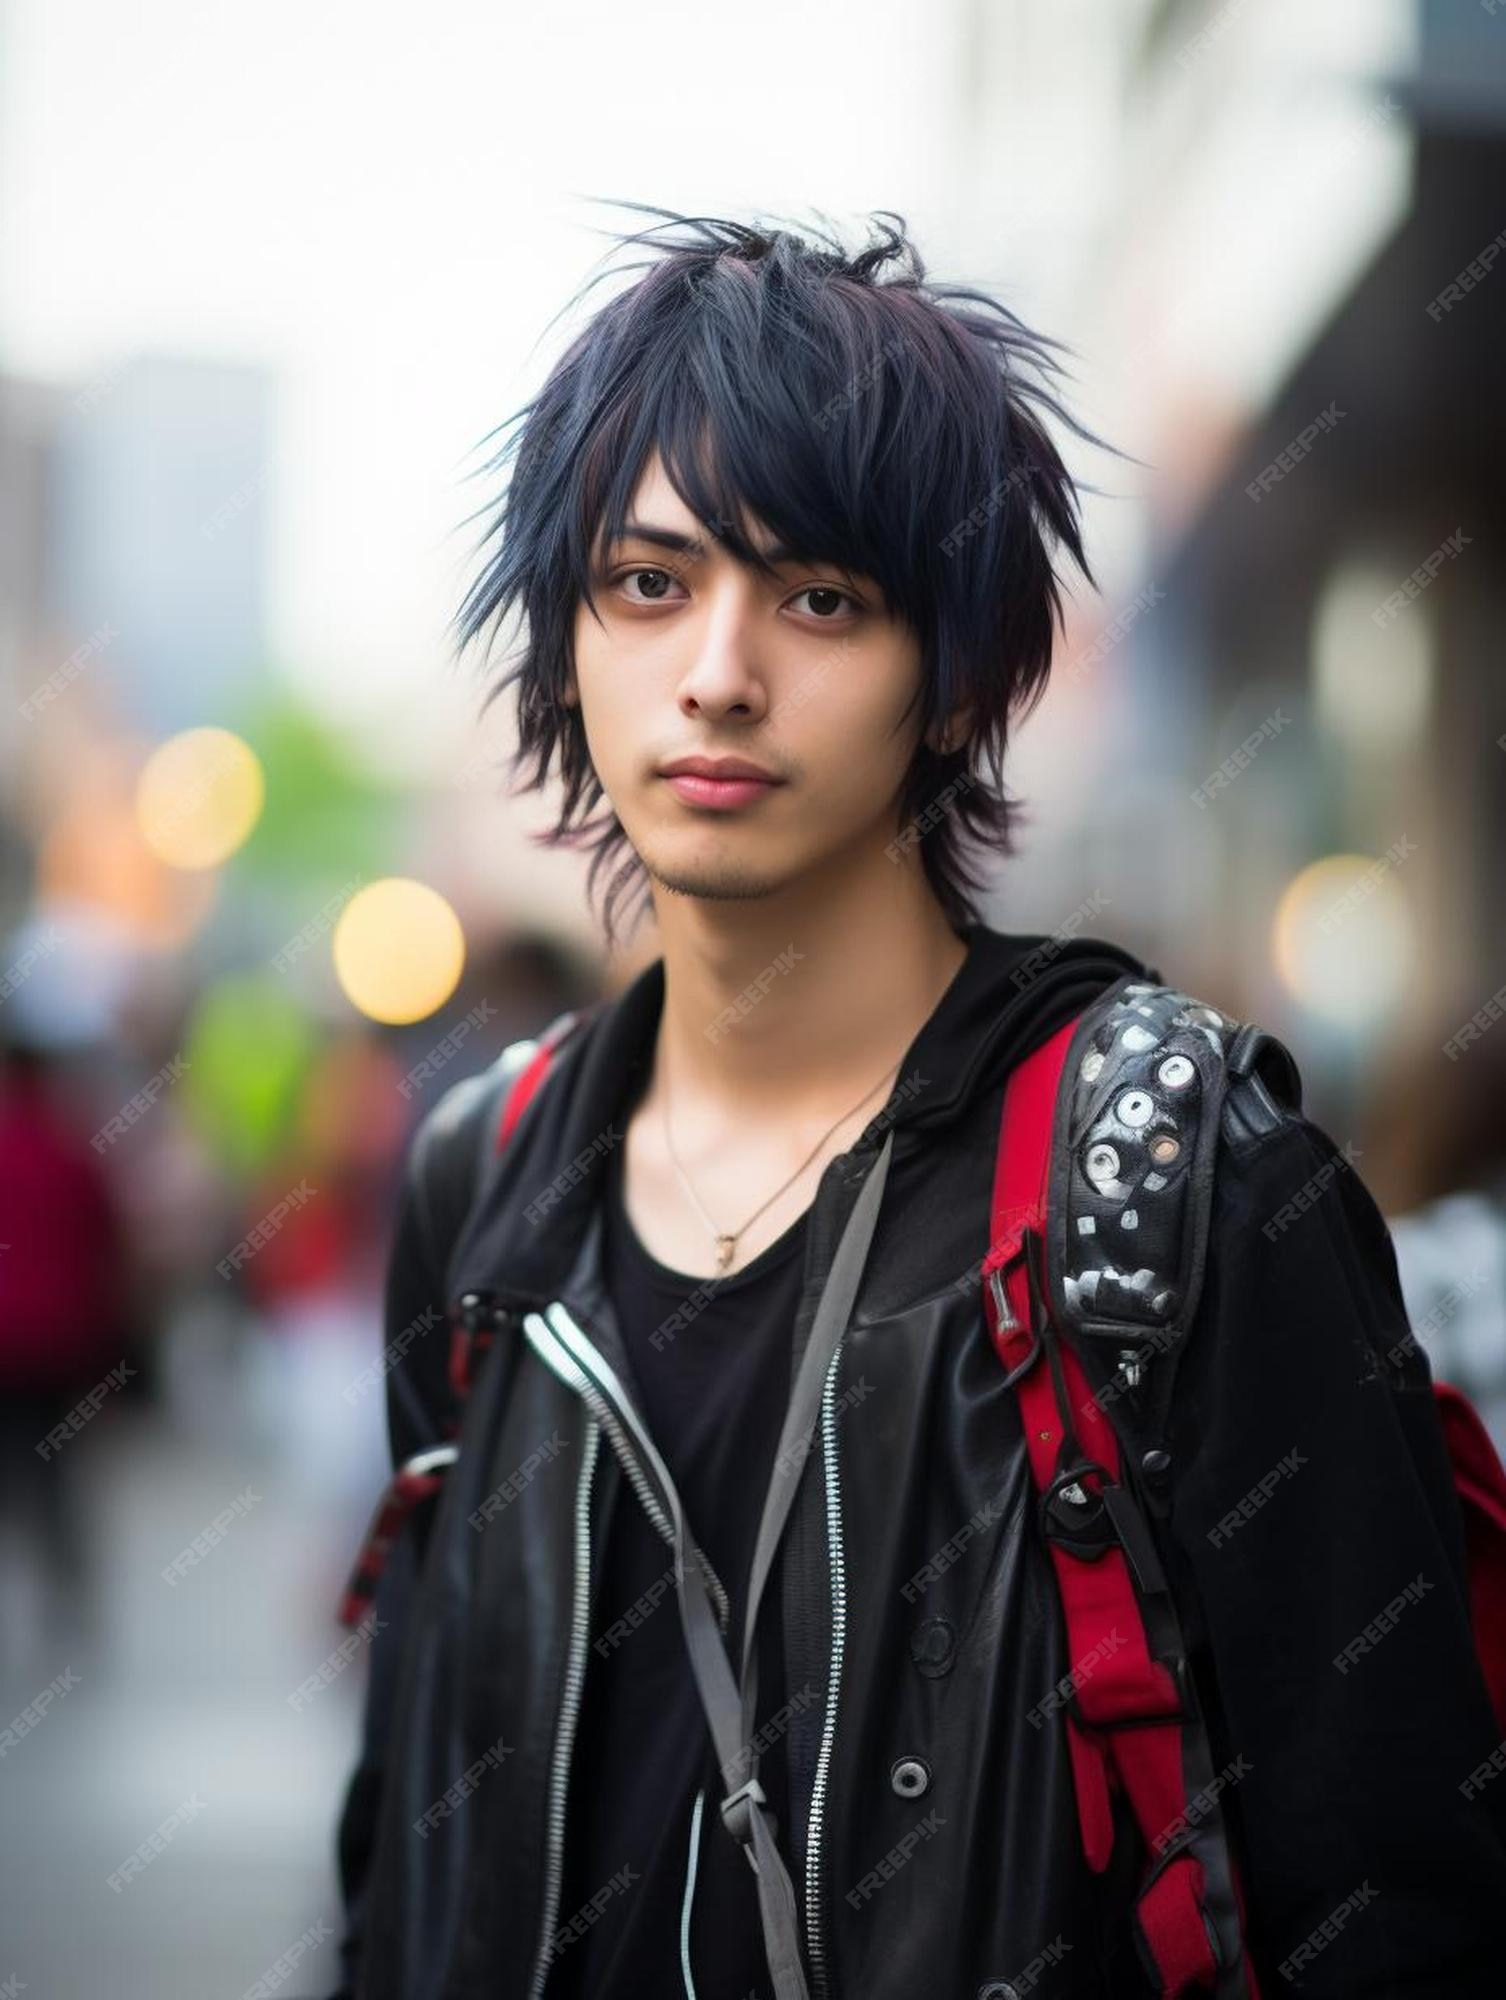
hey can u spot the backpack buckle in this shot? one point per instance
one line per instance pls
(1075, 1518)
(737, 1811)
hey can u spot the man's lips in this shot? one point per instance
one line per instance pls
(723, 794)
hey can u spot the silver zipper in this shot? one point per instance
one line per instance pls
(564, 1736)
(816, 1822)
(690, 1874)
(564, 1347)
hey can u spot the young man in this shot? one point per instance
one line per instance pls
(728, 1659)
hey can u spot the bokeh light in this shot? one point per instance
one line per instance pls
(399, 950)
(1343, 939)
(199, 795)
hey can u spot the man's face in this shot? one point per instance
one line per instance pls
(802, 673)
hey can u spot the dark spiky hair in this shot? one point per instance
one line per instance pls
(867, 417)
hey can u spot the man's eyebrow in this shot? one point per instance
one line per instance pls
(692, 545)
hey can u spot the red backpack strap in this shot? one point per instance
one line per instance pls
(1128, 1703)
(417, 1479)
(1480, 1482)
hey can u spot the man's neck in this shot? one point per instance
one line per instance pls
(778, 1006)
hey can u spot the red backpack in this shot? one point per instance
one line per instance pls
(1132, 1721)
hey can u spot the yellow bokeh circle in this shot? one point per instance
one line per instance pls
(198, 797)
(399, 950)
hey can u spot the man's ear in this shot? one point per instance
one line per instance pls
(954, 732)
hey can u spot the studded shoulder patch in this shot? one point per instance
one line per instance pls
(1131, 1169)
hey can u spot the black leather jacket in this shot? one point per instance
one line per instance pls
(452, 1837)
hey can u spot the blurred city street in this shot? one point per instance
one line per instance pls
(270, 285)
(181, 1701)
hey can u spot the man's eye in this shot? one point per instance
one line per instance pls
(653, 584)
(826, 599)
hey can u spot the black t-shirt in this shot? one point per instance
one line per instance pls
(714, 1392)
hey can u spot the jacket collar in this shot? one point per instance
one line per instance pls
(530, 1226)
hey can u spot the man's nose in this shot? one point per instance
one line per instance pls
(725, 674)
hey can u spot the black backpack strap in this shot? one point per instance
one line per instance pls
(452, 1146)
(446, 1168)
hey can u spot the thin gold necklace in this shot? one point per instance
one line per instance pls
(726, 1241)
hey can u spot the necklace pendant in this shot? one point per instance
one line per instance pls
(724, 1247)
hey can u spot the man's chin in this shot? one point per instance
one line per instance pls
(722, 882)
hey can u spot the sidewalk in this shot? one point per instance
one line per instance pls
(175, 1741)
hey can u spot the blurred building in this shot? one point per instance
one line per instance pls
(1273, 237)
(26, 419)
(160, 508)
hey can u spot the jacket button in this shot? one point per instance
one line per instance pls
(932, 1646)
(910, 1777)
